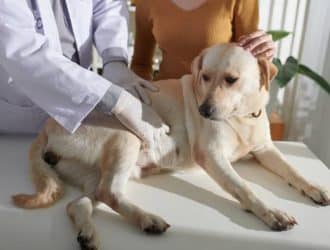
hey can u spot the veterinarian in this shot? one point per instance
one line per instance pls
(183, 28)
(45, 55)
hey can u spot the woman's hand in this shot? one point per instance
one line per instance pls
(259, 43)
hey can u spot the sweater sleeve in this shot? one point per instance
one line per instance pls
(144, 41)
(246, 18)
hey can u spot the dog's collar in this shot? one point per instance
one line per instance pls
(256, 114)
(248, 120)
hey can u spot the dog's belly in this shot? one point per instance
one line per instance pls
(172, 153)
(174, 149)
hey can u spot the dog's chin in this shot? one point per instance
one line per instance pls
(217, 118)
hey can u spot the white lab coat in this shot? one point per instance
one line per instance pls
(36, 80)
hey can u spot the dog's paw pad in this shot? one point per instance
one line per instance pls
(319, 195)
(86, 242)
(152, 224)
(280, 221)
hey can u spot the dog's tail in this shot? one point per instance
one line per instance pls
(49, 188)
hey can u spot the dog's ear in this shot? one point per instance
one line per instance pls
(197, 64)
(267, 72)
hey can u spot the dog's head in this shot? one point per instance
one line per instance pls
(229, 81)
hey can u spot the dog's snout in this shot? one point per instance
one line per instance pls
(207, 110)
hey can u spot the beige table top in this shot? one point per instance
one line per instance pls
(202, 216)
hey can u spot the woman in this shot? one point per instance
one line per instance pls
(183, 28)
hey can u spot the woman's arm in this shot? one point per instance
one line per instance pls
(246, 33)
(246, 18)
(144, 41)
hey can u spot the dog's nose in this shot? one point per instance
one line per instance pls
(206, 110)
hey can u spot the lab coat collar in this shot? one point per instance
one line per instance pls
(74, 21)
(49, 24)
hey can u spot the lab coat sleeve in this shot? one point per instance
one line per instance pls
(110, 25)
(63, 89)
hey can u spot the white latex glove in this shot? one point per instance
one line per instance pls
(118, 73)
(139, 118)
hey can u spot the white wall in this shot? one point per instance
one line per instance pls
(319, 138)
(310, 116)
(306, 108)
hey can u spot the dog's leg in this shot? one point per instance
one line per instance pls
(221, 170)
(49, 186)
(271, 158)
(80, 212)
(116, 167)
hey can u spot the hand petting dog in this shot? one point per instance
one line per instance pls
(259, 43)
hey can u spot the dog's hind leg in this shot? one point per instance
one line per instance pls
(116, 167)
(271, 158)
(80, 212)
(49, 186)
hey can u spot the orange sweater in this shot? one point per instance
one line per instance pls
(182, 35)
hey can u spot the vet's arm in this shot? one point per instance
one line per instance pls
(120, 74)
(66, 91)
(110, 30)
(110, 22)
(139, 118)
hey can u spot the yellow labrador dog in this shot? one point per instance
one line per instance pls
(216, 114)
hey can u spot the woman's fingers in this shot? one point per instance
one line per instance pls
(266, 49)
(243, 40)
(269, 54)
(257, 41)
(259, 44)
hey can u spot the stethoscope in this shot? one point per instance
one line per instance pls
(37, 17)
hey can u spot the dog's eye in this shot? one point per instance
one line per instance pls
(231, 79)
(205, 77)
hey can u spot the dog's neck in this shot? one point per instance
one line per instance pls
(195, 120)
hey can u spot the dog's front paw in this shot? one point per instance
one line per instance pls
(318, 194)
(153, 224)
(278, 220)
(87, 238)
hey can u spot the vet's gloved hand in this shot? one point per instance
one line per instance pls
(138, 117)
(118, 73)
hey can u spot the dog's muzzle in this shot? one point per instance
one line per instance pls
(207, 110)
